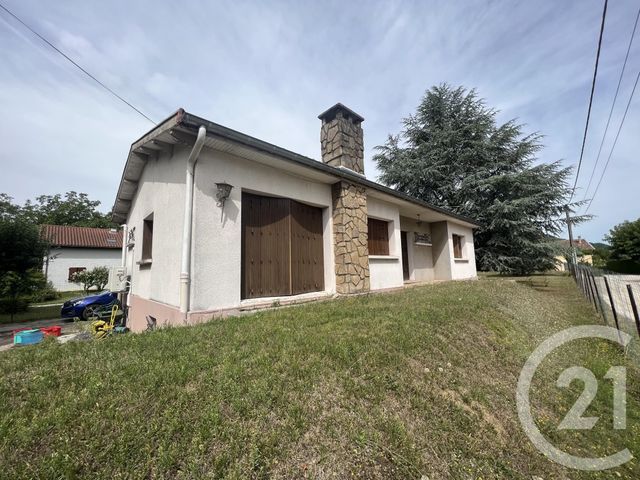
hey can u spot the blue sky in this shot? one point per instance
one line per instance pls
(269, 68)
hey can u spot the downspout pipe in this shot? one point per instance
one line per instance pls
(185, 271)
(125, 236)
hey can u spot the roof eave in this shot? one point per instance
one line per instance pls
(118, 215)
(192, 122)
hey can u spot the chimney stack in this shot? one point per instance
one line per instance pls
(341, 138)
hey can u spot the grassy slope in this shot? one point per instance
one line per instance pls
(395, 385)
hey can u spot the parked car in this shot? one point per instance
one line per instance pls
(85, 307)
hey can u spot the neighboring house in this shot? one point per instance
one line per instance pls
(219, 221)
(73, 249)
(584, 253)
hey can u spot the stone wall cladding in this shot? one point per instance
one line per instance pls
(350, 236)
(342, 145)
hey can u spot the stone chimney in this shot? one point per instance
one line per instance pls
(341, 138)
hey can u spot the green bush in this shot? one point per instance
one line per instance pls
(17, 288)
(624, 266)
(13, 305)
(45, 293)
(98, 277)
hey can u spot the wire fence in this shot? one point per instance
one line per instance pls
(615, 297)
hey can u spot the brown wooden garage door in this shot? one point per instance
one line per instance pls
(281, 247)
(307, 272)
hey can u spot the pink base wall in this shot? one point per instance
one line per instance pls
(165, 314)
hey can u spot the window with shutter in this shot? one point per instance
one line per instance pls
(458, 241)
(74, 270)
(378, 237)
(147, 238)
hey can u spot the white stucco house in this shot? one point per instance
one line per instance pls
(73, 249)
(218, 221)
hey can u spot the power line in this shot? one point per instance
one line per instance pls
(73, 62)
(593, 87)
(614, 141)
(615, 97)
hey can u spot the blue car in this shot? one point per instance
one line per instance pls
(86, 307)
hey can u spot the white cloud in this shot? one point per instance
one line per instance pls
(268, 69)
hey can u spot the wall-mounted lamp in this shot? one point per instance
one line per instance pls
(223, 192)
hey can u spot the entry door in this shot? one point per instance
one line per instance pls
(266, 245)
(405, 255)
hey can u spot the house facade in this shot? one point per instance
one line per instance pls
(74, 249)
(218, 221)
(584, 253)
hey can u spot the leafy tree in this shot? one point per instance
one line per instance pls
(625, 241)
(452, 153)
(8, 210)
(21, 248)
(17, 289)
(600, 256)
(21, 253)
(71, 209)
(97, 277)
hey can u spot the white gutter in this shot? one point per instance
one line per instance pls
(124, 263)
(125, 235)
(188, 215)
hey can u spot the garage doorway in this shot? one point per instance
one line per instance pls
(282, 248)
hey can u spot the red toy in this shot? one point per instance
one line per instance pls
(54, 331)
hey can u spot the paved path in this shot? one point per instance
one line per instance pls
(6, 330)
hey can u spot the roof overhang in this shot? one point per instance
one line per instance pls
(181, 128)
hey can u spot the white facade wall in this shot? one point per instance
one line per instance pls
(161, 192)
(464, 268)
(89, 258)
(216, 252)
(216, 240)
(386, 271)
(420, 256)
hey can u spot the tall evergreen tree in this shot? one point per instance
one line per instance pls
(453, 154)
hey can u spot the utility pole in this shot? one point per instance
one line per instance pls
(574, 258)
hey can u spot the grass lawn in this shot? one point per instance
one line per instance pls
(32, 313)
(64, 296)
(43, 310)
(400, 385)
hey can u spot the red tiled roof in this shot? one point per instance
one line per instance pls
(580, 243)
(81, 237)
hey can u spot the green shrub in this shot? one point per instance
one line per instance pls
(628, 267)
(44, 294)
(16, 289)
(13, 305)
(98, 277)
